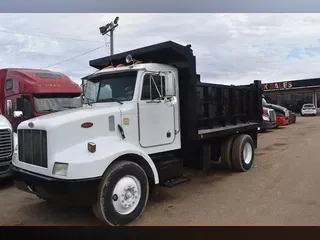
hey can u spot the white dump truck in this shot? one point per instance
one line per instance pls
(146, 117)
(7, 141)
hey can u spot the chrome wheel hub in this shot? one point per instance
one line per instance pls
(247, 153)
(126, 195)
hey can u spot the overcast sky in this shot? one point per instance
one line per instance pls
(230, 48)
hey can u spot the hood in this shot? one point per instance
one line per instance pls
(64, 129)
(4, 123)
(94, 114)
(275, 107)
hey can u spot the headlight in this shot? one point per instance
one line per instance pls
(15, 142)
(286, 113)
(15, 148)
(60, 169)
(265, 118)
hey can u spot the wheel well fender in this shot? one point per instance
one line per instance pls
(146, 164)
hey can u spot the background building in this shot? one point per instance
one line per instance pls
(293, 94)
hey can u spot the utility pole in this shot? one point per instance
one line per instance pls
(110, 27)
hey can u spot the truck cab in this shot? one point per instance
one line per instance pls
(282, 113)
(269, 119)
(8, 140)
(146, 116)
(35, 92)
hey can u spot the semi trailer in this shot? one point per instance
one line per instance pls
(147, 117)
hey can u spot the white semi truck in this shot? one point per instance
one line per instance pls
(7, 141)
(146, 117)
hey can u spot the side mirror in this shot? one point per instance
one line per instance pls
(17, 114)
(170, 85)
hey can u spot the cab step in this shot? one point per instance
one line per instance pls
(174, 182)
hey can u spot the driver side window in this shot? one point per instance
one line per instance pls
(153, 85)
(24, 105)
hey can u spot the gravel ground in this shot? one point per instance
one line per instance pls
(281, 188)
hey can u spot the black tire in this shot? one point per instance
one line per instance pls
(104, 209)
(238, 161)
(226, 150)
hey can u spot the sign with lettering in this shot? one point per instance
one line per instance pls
(277, 86)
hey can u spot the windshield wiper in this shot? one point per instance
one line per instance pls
(111, 100)
(69, 107)
(50, 110)
(89, 101)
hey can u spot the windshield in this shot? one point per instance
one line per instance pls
(308, 106)
(110, 88)
(54, 104)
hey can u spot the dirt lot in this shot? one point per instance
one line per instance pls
(281, 188)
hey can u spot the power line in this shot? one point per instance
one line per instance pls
(66, 60)
(48, 36)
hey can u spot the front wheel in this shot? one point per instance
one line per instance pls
(123, 194)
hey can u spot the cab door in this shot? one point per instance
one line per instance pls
(156, 117)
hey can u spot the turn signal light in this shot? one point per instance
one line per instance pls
(91, 147)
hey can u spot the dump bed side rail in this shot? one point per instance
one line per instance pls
(222, 107)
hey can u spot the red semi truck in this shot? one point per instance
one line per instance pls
(35, 92)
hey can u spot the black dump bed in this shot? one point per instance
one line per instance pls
(207, 110)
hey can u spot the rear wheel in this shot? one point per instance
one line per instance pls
(123, 194)
(242, 153)
(226, 150)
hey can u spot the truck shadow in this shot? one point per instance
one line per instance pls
(163, 199)
(46, 213)
(6, 183)
(199, 179)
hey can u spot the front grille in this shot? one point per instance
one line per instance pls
(32, 146)
(272, 115)
(5, 144)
